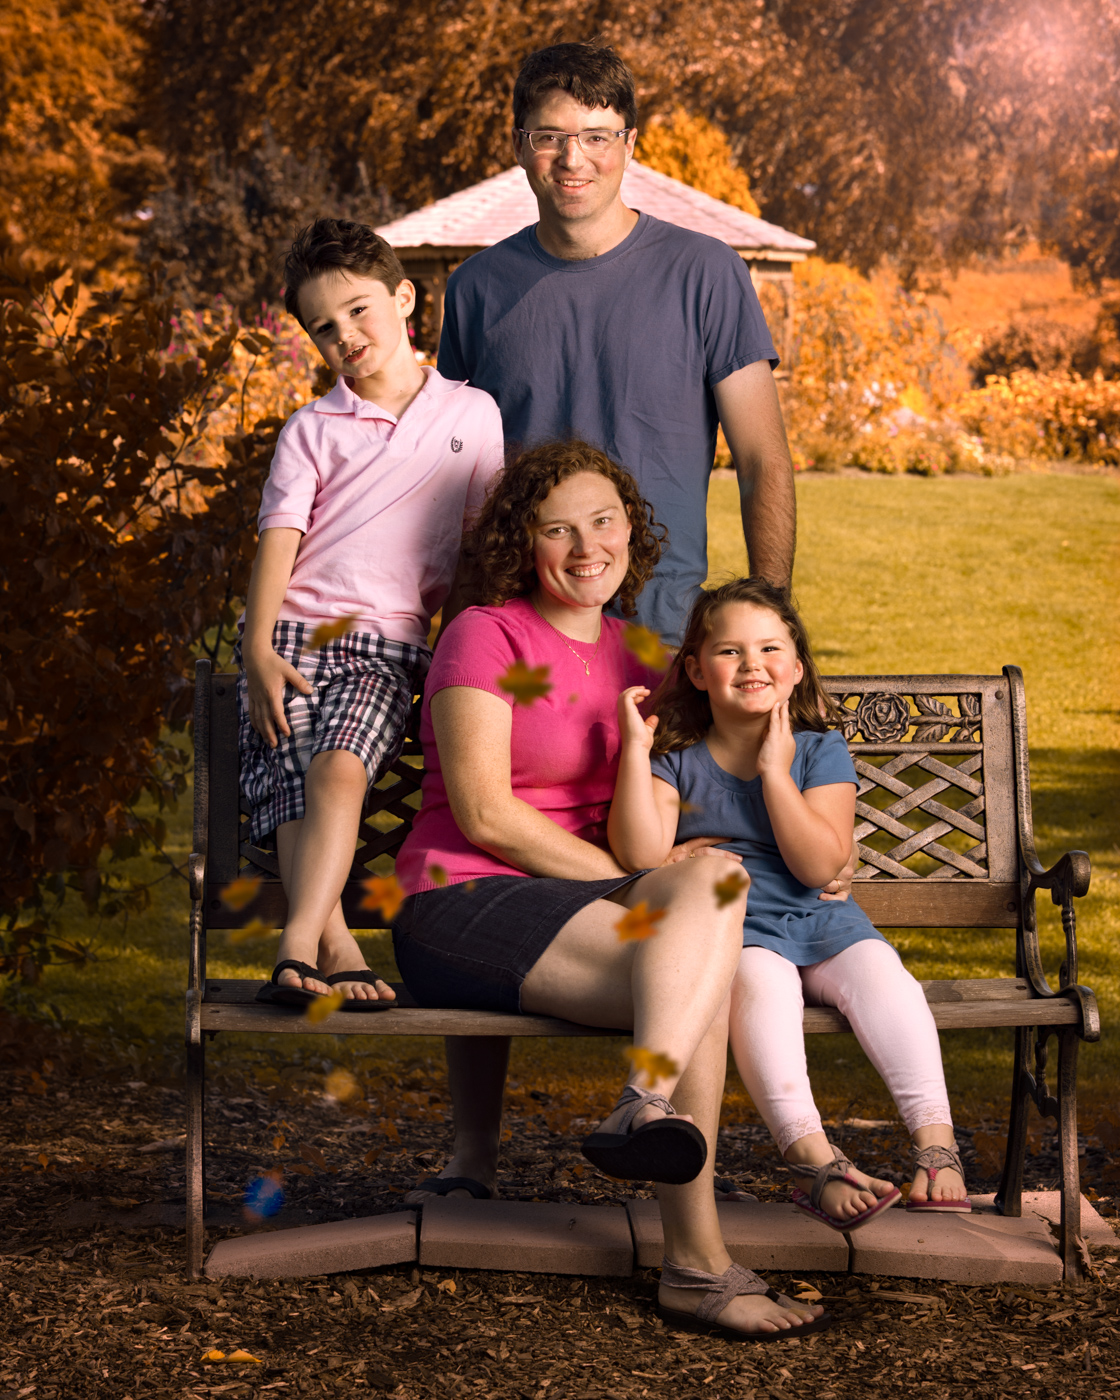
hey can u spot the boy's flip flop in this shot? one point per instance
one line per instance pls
(275, 995)
(359, 1003)
(667, 1150)
(836, 1170)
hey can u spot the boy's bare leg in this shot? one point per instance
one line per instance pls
(689, 1215)
(476, 1075)
(316, 855)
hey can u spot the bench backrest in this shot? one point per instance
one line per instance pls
(943, 779)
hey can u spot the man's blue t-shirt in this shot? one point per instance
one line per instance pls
(622, 351)
(782, 914)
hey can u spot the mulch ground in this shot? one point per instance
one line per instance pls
(96, 1302)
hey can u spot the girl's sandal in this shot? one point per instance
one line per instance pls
(359, 1003)
(276, 995)
(836, 1170)
(720, 1290)
(932, 1160)
(668, 1149)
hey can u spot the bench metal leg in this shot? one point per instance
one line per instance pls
(1069, 1236)
(196, 1126)
(1009, 1196)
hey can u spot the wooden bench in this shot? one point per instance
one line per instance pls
(943, 821)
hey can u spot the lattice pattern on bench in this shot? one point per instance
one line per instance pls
(919, 755)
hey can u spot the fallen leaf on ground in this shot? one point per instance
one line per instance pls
(447, 1286)
(647, 646)
(651, 1063)
(322, 1007)
(331, 631)
(525, 683)
(383, 892)
(638, 923)
(240, 893)
(408, 1300)
(730, 887)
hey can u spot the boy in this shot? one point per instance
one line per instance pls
(360, 524)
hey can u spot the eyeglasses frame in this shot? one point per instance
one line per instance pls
(573, 136)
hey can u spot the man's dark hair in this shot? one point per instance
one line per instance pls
(341, 245)
(591, 73)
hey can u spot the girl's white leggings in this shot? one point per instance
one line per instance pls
(887, 1011)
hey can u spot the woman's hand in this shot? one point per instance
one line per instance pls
(779, 746)
(267, 674)
(632, 728)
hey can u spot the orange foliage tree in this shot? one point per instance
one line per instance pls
(120, 548)
(693, 150)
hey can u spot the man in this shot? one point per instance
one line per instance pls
(606, 324)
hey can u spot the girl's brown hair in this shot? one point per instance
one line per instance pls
(685, 713)
(498, 551)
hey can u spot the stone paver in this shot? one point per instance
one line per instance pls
(526, 1237)
(333, 1248)
(978, 1248)
(759, 1236)
(1047, 1205)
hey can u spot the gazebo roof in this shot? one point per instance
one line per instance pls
(494, 209)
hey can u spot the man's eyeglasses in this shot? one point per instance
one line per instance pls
(595, 142)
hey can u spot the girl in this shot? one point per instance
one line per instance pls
(740, 748)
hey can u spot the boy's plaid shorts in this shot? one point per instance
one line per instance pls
(362, 689)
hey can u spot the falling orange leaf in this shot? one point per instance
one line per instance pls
(730, 887)
(437, 874)
(240, 893)
(278, 1141)
(330, 631)
(322, 1007)
(525, 683)
(689, 808)
(255, 928)
(470, 885)
(342, 1086)
(647, 646)
(651, 1063)
(638, 923)
(384, 893)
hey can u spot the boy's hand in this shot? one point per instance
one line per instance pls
(632, 728)
(779, 746)
(267, 675)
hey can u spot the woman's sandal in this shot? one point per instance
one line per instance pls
(720, 1289)
(667, 1150)
(932, 1160)
(277, 995)
(836, 1170)
(359, 1003)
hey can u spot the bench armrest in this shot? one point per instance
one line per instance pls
(1067, 879)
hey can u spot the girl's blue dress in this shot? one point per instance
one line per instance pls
(782, 913)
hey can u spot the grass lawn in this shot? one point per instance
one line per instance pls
(893, 575)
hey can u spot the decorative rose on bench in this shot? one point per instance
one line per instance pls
(883, 718)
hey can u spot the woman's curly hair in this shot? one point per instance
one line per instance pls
(685, 713)
(498, 551)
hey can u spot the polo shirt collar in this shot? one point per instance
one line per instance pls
(343, 400)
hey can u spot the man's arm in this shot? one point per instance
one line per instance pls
(751, 416)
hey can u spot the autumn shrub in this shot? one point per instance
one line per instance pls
(1030, 416)
(124, 540)
(693, 150)
(1032, 342)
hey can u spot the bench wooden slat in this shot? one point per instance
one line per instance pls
(965, 1003)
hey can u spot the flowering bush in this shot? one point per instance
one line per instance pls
(1030, 415)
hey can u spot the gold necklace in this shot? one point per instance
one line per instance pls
(586, 664)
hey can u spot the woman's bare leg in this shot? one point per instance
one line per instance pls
(689, 1216)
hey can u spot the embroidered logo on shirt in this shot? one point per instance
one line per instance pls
(456, 444)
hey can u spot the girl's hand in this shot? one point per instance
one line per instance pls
(267, 675)
(632, 728)
(701, 846)
(779, 746)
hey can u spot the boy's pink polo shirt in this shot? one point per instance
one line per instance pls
(381, 502)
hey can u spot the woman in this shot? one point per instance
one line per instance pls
(521, 749)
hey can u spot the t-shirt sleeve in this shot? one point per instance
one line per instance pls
(293, 482)
(668, 767)
(490, 458)
(828, 761)
(474, 650)
(735, 330)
